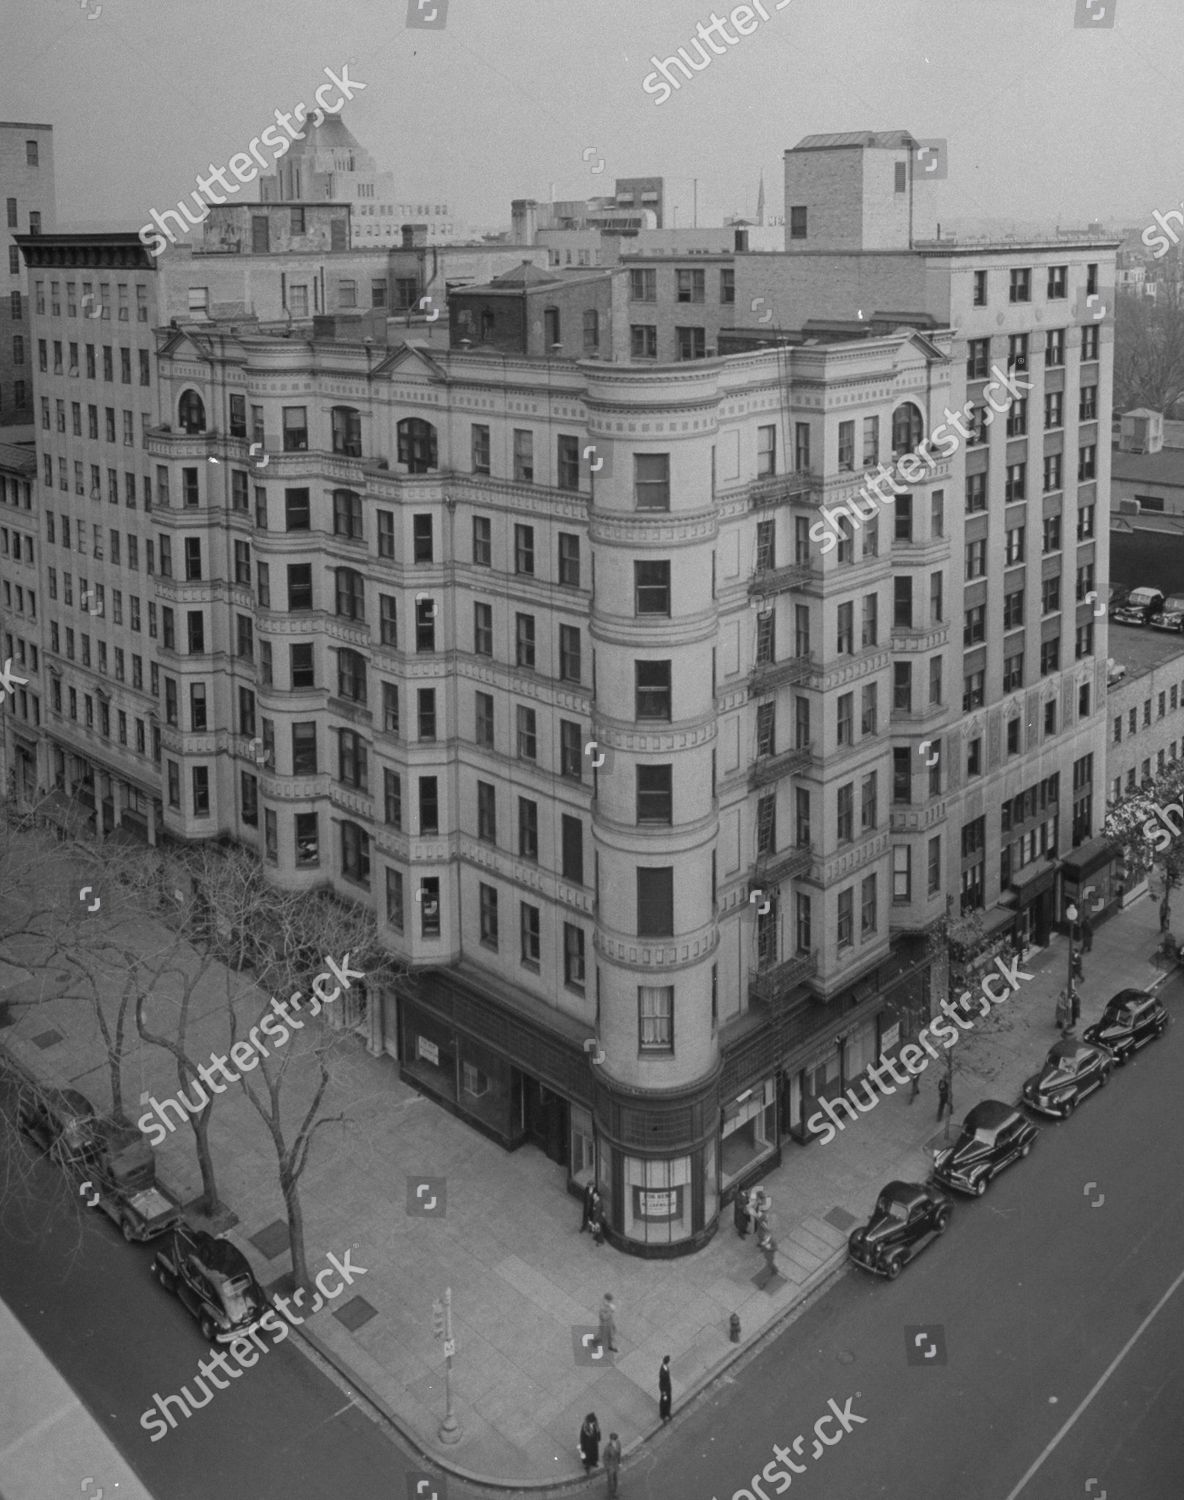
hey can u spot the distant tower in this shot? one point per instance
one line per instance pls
(760, 202)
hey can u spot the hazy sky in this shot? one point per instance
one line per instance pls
(1045, 119)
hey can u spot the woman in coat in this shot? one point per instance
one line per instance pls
(590, 1442)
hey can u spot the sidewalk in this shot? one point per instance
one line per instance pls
(525, 1283)
(49, 1443)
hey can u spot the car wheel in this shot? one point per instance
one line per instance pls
(166, 1278)
(208, 1329)
(941, 1223)
(129, 1233)
(980, 1187)
(1104, 1078)
(895, 1266)
(1070, 1106)
(1025, 1148)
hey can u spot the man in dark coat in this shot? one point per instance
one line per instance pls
(943, 1097)
(612, 1461)
(665, 1392)
(590, 1442)
(740, 1212)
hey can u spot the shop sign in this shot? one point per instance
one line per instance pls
(427, 1050)
(657, 1203)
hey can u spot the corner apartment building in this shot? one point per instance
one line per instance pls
(27, 187)
(383, 657)
(1024, 766)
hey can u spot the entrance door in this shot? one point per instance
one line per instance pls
(546, 1119)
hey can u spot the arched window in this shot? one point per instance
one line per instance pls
(347, 431)
(907, 426)
(417, 444)
(351, 594)
(191, 412)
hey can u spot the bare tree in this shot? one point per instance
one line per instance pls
(1149, 348)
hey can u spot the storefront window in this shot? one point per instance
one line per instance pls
(429, 1052)
(484, 1085)
(583, 1146)
(749, 1132)
(657, 1200)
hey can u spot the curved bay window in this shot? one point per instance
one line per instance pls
(191, 412)
(351, 675)
(666, 1200)
(417, 444)
(907, 427)
(347, 515)
(351, 594)
(347, 431)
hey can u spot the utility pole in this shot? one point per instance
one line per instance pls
(442, 1326)
(1070, 987)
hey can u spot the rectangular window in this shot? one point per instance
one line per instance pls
(526, 725)
(523, 456)
(655, 901)
(572, 849)
(655, 1018)
(570, 664)
(480, 447)
(429, 805)
(652, 690)
(486, 812)
(651, 481)
(569, 559)
(483, 720)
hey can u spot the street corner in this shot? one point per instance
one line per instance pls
(925, 1343)
(1094, 307)
(422, 1485)
(427, 1197)
(598, 459)
(931, 158)
(599, 757)
(1093, 14)
(427, 15)
(586, 1346)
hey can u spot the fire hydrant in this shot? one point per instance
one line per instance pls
(734, 1328)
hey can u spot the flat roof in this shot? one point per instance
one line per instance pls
(1165, 467)
(1139, 649)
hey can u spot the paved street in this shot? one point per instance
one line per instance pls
(1033, 1292)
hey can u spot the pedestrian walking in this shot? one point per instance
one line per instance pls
(590, 1196)
(612, 1461)
(1087, 933)
(943, 1097)
(767, 1245)
(916, 1087)
(590, 1442)
(608, 1322)
(1064, 1013)
(740, 1212)
(665, 1392)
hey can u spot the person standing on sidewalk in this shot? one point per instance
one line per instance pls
(612, 1461)
(608, 1322)
(590, 1443)
(665, 1391)
(589, 1201)
(943, 1097)
(740, 1212)
(1087, 932)
(916, 1087)
(596, 1219)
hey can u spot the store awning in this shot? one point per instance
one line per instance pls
(1028, 887)
(998, 919)
(1089, 857)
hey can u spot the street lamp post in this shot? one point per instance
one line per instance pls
(1070, 990)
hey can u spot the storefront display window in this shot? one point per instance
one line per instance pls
(749, 1132)
(429, 1053)
(657, 1200)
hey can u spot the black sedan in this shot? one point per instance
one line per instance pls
(994, 1135)
(906, 1218)
(215, 1282)
(1132, 1018)
(1071, 1072)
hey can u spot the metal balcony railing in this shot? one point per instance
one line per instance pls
(771, 985)
(773, 767)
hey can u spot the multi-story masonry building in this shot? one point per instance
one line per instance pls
(517, 638)
(27, 187)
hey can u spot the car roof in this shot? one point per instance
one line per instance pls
(990, 1114)
(1070, 1050)
(1125, 997)
(902, 1192)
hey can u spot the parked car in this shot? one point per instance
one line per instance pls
(1131, 1019)
(1141, 607)
(123, 1175)
(63, 1122)
(1173, 614)
(214, 1281)
(994, 1135)
(1071, 1072)
(906, 1218)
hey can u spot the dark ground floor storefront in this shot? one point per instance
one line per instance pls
(664, 1161)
